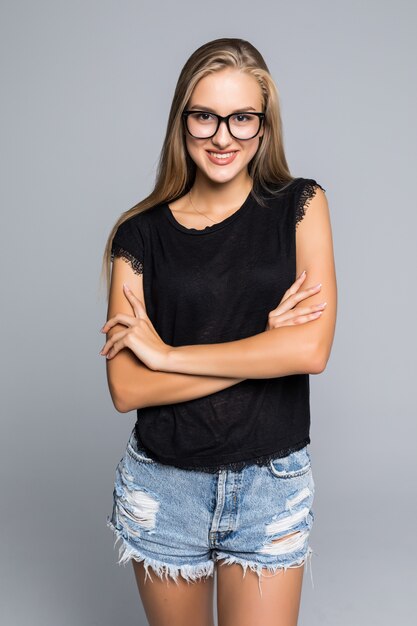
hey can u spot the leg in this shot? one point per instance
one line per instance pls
(180, 603)
(239, 600)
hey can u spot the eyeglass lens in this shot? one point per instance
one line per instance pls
(242, 125)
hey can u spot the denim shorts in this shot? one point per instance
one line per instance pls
(180, 521)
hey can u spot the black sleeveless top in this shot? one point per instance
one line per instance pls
(217, 285)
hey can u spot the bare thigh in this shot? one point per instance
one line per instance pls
(167, 603)
(239, 600)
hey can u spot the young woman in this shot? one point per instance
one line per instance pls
(212, 331)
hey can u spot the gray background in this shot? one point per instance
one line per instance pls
(86, 89)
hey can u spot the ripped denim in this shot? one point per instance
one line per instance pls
(181, 522)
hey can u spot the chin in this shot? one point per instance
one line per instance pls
(221, 177)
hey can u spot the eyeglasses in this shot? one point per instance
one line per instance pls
(242, 126)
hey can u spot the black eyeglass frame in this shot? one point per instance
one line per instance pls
(221, 119)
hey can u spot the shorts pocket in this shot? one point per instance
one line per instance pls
(293, 465)
(136, 451)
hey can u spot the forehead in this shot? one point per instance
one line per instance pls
(227, 90)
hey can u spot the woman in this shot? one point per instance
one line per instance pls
(211, 338)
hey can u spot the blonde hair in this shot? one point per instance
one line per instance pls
(176, 170)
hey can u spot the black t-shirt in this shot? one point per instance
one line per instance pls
(215, 285)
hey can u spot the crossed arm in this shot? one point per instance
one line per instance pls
(132, 384)
(198, 370)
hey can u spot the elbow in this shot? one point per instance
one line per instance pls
(121, 407)
(126, 394)
(120, 399)
(119, 402)
(318, 359)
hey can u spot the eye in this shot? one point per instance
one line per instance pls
(203, 116)
(242, 117)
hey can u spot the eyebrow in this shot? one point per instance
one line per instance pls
(203, 108)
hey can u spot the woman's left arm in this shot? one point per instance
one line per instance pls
(285, 350)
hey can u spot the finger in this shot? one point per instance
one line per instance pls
(293, 288)
(310, 309)
(119, 318)
(300, 311)
(296, 284)
(286, 304)
(299, 281)
(302, 319)
(290, 291)
(133, 301)
(136, 303)
(109, 345)
(301, 295)
(295, 320)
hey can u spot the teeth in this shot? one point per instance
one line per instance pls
(221, 156)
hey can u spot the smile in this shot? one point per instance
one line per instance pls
(221, 158)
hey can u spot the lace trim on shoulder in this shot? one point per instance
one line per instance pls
(136, 264)
(308, 192)
(237, 466)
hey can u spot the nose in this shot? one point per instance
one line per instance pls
(222, 136)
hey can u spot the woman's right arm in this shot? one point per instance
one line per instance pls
(132, 384)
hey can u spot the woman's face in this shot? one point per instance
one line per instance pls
(224, 92)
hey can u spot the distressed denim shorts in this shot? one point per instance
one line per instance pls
(180, 521)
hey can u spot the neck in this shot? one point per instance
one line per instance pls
(216, 198)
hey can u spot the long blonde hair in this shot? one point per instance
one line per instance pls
(176, 171)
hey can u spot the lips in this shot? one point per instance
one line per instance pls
(222, 160)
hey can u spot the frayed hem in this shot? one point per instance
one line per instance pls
(190, 573)
(258, 568)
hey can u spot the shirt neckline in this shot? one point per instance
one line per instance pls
(208, 229)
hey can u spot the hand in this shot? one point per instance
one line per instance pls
(140, 335)
(285, 315)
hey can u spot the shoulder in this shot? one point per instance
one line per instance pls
(129, 240)
(137, 223)
(294, 196)
(307, 191)
(299, 187)
(306, 187)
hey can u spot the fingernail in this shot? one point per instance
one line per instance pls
(126, 286)
(302, 274)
